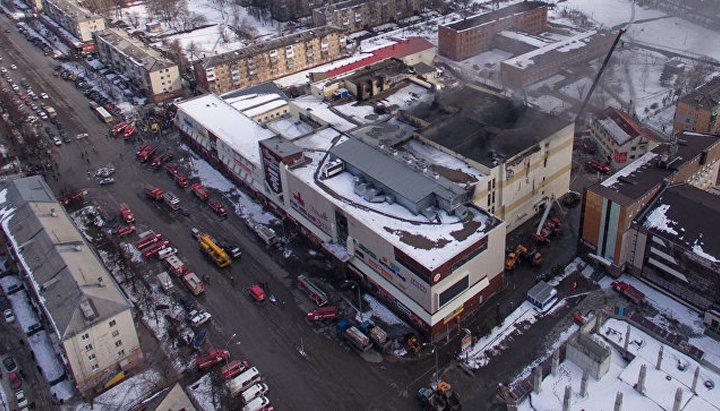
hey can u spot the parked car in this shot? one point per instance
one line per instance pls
(57, 141)
(9, 364)
(9, 316)
(106, 181)
(15, 381)
(126, 230)
(21, 400)
(104, 172)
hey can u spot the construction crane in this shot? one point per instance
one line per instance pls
(597, 77)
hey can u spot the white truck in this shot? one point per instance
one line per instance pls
(265, 233)
(166, 282)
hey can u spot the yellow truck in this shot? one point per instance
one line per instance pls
(213, 250)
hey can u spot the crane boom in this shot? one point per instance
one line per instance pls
(597, 77)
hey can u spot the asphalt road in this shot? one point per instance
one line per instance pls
(329, 377)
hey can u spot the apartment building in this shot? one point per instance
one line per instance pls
(86, 311)
(698, 110)
(465, 38)
(620, 137)
(71, 16)
(547, 60)
(269, 60)
(408, 234)
(356, 15)
(609, 207)
(288, 10)
(525, 155)
(156, 75)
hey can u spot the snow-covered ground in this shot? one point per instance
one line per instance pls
(669, 308)
(128, 394)
(201, 391)
(45, 352)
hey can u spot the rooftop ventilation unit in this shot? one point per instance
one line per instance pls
(88, 310)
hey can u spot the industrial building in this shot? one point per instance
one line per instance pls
(404, 230)
(158, 77)
(86, 312)
(356, 15)
(620, 137)
(468, 37)
(609, 207)
(524, 154)
(675, 247)
(269, 60)
(698, 110)
(547, 60)
(263, 102)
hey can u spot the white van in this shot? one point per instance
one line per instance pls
(257, 404)
(243, 381)
(253, 392)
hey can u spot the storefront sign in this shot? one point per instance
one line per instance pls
(620, 157)
(453, 314)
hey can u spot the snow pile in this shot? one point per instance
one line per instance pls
(202, 392)
(658, 220)
(380, 312)
(697, 249)
(575, 266)
(127, 394)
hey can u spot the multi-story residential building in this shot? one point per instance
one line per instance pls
(86, 311)
(465, 38)
(287, 10)
(269, 60)
(547, 60)
(405, 231)
(356, 15)
(609, 207)
(157, 76)
(620, 137)
(524, 154)
(675, 247)
(698, 110)
(79, 21)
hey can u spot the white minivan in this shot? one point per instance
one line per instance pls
(253, 392)
(257, 404)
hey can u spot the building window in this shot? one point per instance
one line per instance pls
(453, 291)
(115, 333)
(112, 323)
(88, 347)
(85, 336)
(91, 357)
(121, 353)
(118, 343)
(94, 367)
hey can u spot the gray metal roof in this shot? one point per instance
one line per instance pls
(541, 291)
(267, 87)
(393, 172)
(65, 273)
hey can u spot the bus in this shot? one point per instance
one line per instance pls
(103, 115)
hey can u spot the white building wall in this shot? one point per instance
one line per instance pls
(101, 349)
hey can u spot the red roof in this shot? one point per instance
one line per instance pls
(627, 123)
(402, 48)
